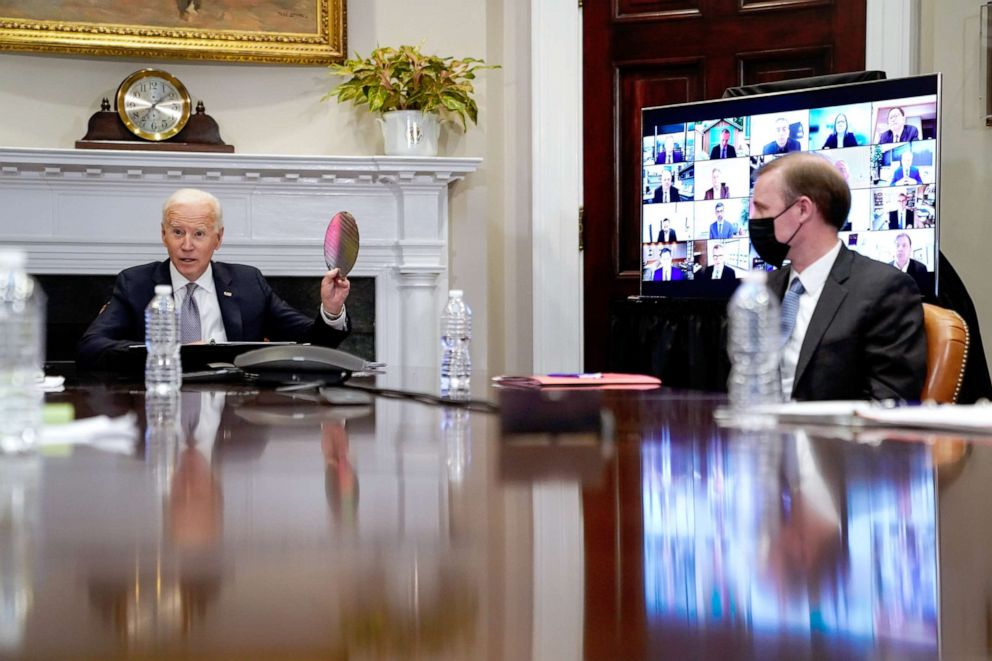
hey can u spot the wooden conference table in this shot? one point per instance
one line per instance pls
(596, 525)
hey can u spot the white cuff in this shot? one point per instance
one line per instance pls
(335, 321)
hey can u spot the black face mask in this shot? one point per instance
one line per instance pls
(762, 233)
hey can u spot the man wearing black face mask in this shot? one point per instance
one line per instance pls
(852, 327)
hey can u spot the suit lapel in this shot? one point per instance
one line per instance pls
(161, 275)
(833, 294)
(230, 310)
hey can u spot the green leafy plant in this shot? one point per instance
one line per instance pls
(405, 79)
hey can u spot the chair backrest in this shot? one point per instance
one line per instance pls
(947, 353)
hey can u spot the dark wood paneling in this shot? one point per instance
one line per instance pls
(640, 53)
(771, 66)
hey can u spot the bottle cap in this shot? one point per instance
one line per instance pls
(12, 258)
(455, 293)
(163, 290)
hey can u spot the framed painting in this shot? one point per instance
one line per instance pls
(285, 31)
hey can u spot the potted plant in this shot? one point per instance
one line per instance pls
(412, 91)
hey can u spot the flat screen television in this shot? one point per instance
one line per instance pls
(700, 162)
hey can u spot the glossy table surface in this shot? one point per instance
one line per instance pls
(598, 525)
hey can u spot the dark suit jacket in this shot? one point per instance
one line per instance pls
(729, 230)
(908, 134)
(914, 174)
(918, 272)
(673, 195)
(662, 157)
(724, 193)
(866, 337)
(676, 274)
(728, 273)
(252, 313)
(672, 238)
(849, 141)
(731, 152)
(894, 219)
(790, 145)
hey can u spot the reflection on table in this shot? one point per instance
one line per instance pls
(598, 525)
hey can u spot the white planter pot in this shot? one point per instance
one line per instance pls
(410, 133)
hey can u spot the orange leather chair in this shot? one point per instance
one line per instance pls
(947, 353)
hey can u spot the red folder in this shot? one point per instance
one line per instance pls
(610, 380)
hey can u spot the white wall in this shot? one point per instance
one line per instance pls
(950, 44)
(47, 100)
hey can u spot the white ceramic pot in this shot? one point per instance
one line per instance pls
(410, 133)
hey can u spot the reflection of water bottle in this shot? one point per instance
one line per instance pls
(20, 490)
(22, 353)
(456, 337)
(753, 344)
(162, 427)
(457, 437)
(163, 370)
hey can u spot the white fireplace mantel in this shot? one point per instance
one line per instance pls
(97, 212)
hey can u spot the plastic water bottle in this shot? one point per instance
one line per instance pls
(22, 354)
(754, 345)
(163, 369)
(456, 337)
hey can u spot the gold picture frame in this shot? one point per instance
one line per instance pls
(279, 31)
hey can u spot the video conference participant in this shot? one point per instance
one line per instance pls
(840, 137)
(718, 270)
(724, 149)
(906, 174)
(667, 234)
(858, 331)
(905, 263)
(218, 302)
(783, 142)
(719, 190)
(672, 153)
(666, 192)
(665, 272)
(899, 130)
(721, 228)
(902, 217)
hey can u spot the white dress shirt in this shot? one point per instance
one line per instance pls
(813, 278)
(717, 272)
(205, 295)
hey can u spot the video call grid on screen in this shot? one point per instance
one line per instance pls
(700, 162)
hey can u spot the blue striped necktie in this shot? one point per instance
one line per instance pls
(790, 307)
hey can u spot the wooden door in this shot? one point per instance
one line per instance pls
(641, 53)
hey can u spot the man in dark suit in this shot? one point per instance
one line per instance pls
(899, 130)
(904, 262)
(856, 328)
(719, 190)
(783, 142)
(671, 153)
(667, 234)
(718, 270)
(901, 218)
(218, 302)
(724, 149)
(906, 174)
(666, 192)
(721, 228)
(666, 272)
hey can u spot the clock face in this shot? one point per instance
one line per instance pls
(153, 104)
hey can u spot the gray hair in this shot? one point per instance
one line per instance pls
(193, 196)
